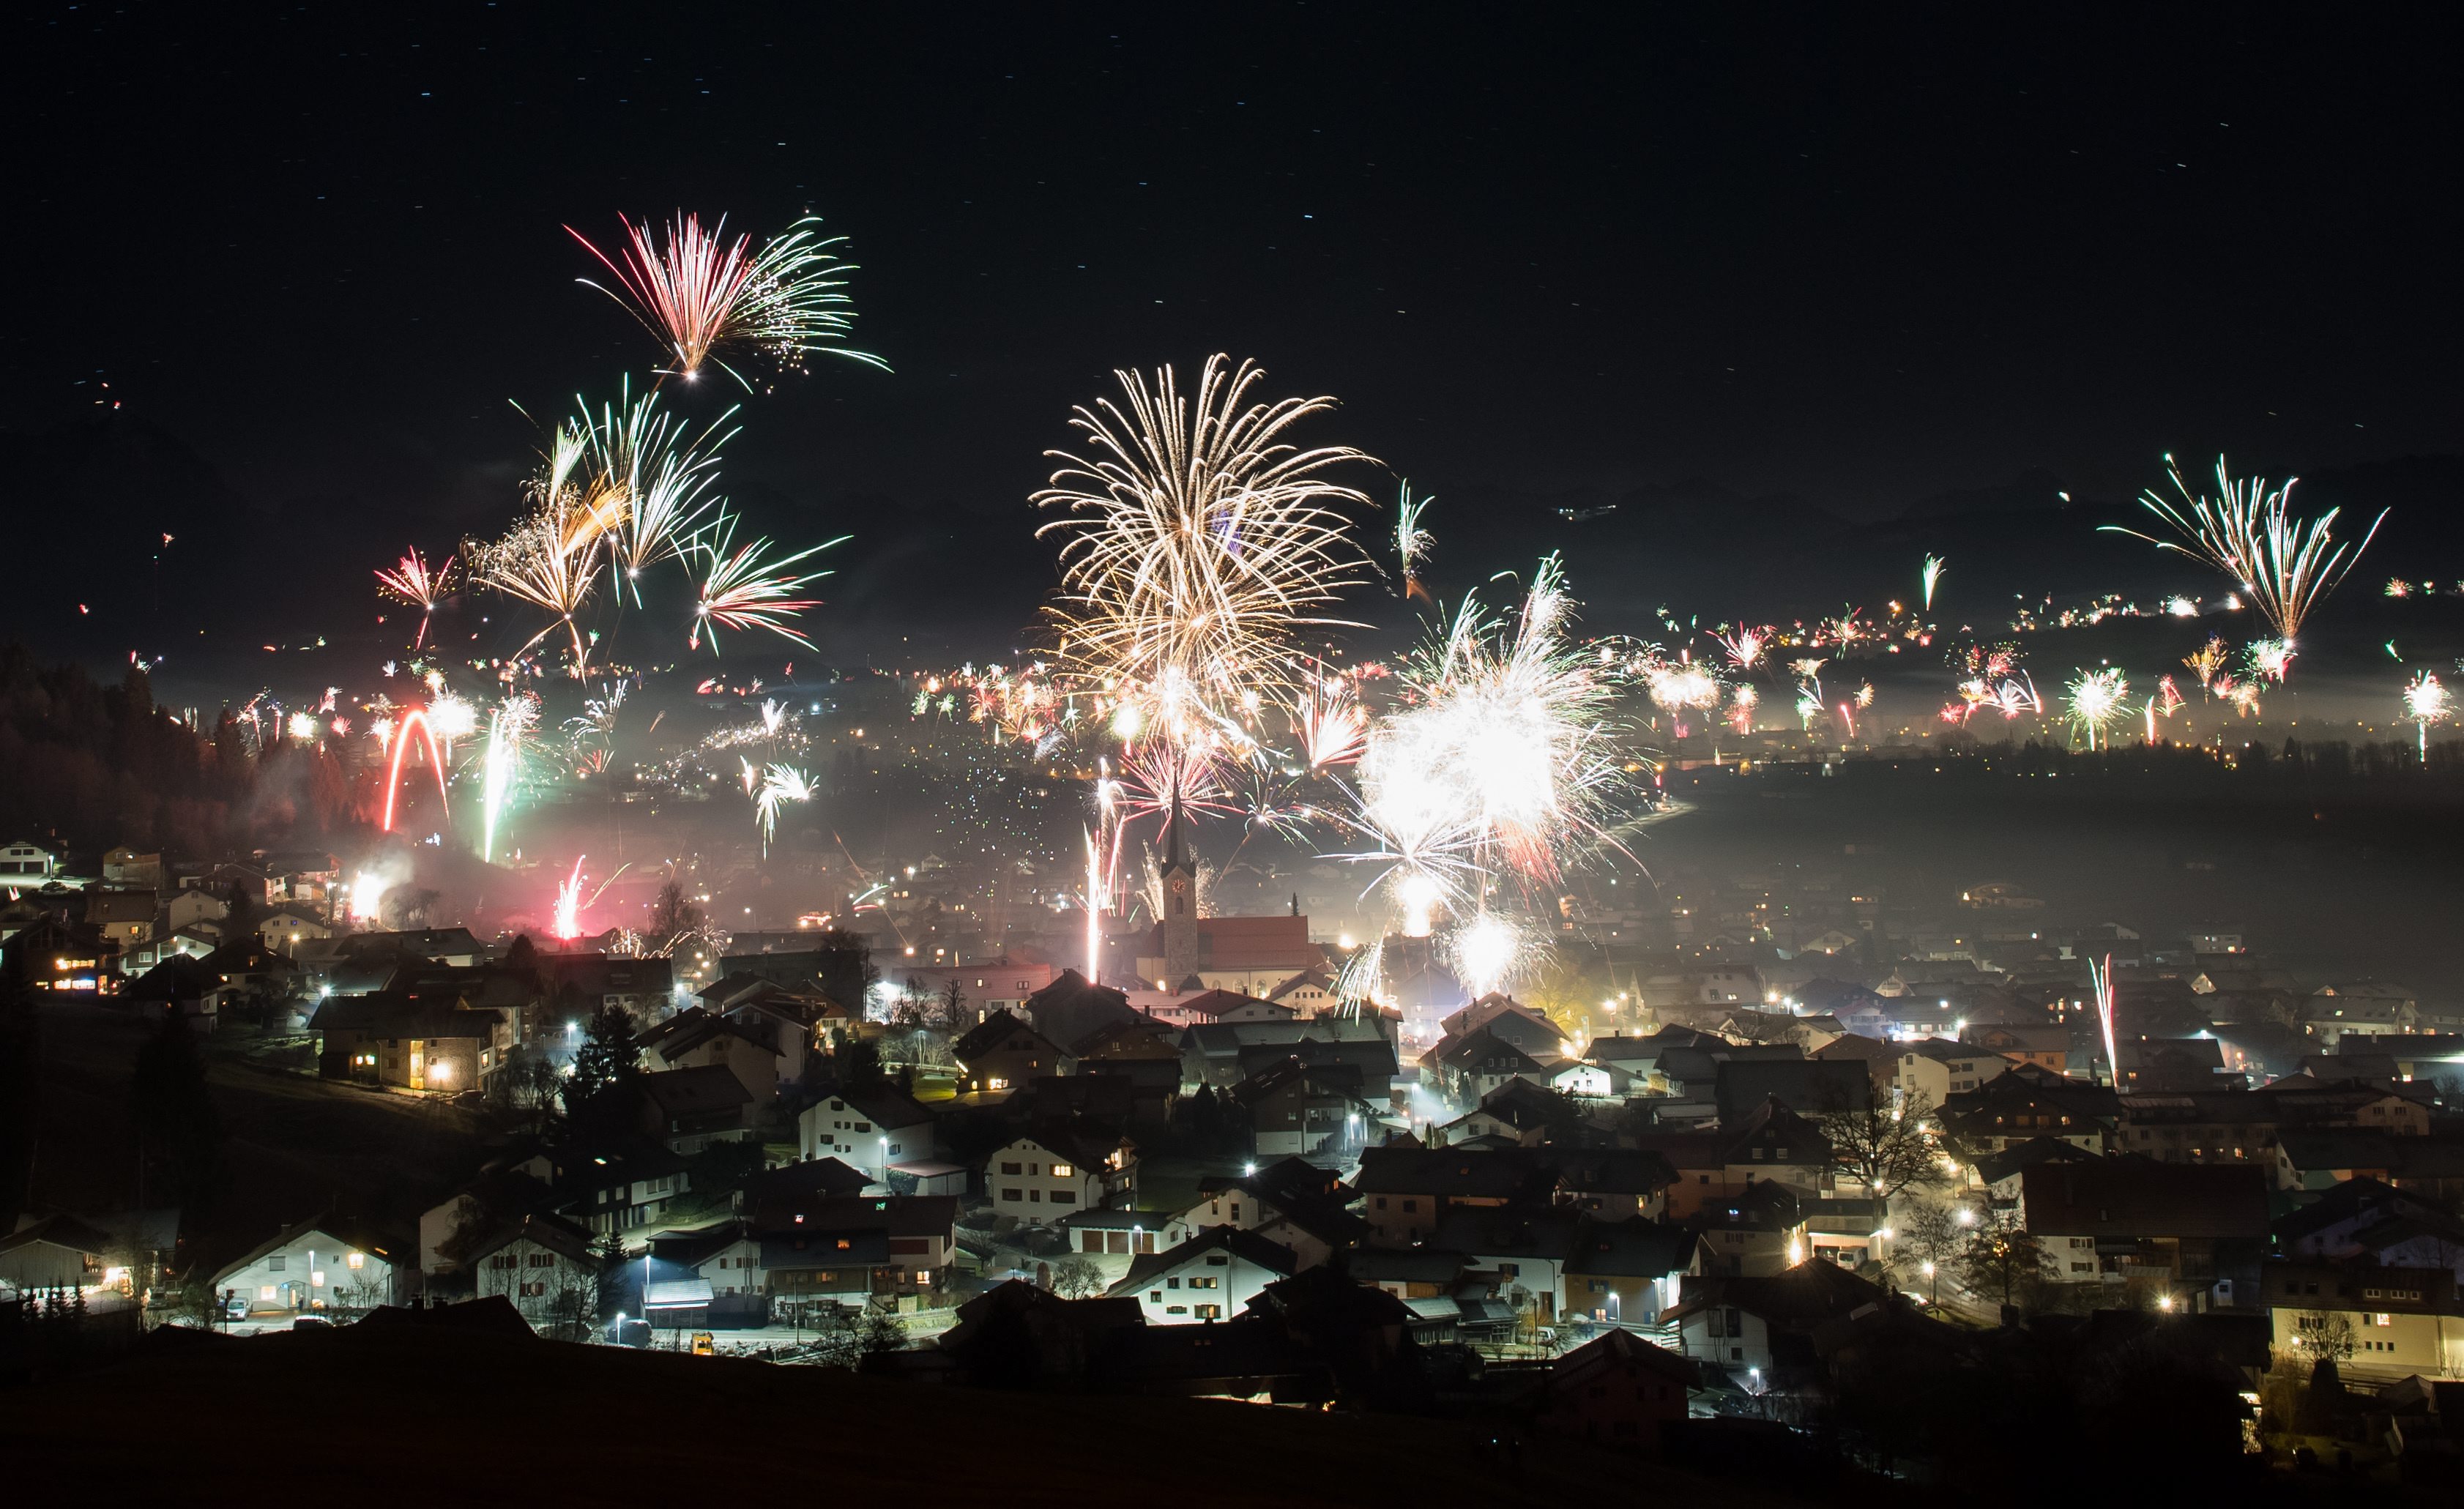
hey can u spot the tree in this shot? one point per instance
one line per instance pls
(954, 1000)
(613, 1274)
(1936, 1233)
(240, 921)
(609, 1060)
(2326, 1334)
(673, 915)
(1886, 1149)
(1077, 1277)
(1999, 1257)
(857, 1064)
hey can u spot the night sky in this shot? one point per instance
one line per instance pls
(1542, 254)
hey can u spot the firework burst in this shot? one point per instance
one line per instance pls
(1412, 542)
(412, 581)
(780, 784)
(700, 294)
(2097, 701)
(1931, 576)
(2426, 701)
(2286, 565)
(1197, 541)
(742, 588)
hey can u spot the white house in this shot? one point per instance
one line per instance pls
(544, 1266)
(1208, 1277)
(870, 1129)
(1041, 1177)
(29, 861)
(316, 1265)
(288, 925)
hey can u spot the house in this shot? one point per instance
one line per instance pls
(504, 1191)
(618, 1186)
(726, 1255)
(1404, 1192)
(546, 1266)
(1002, 1051)
(1003, 984)
(1712, 1167)
(1762, 1230)
(798, 1026)
(320, 1264)
(1208, 1277)
(22, 860)
(123, 919)
(2115, 1221)
(1585, 1079)
(2025, 1101)
(2366, 1009)
(694, 1039)
(1479, 1062)
(1880, 1059)
(1223, 1054)
(1523, 1113)
(2046, 1044)
(1142, 1052)
(412, 1043)
(919, 1232)
(1209, 1006)
(688, 1110)
(2318, 1160)
(1611, 1183)
(816, 1270)
(288, 925)
(1810, 1087)
(1627, 1271)
(1510, 1021)
(1615, 1391)
(1298, 1110)
(583, 983)
(194, 907)
(2367, 1221)
(1935, 1068)
(2397, 1322)
(1292, 1202)
(2163, 1065)
(60, 1254)
(1519, 1252)
(1746, 1325)
(454, 946)
(1039, 1178)
(875, 1130)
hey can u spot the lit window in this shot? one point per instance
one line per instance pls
(359, 1259)
(1062, 1171)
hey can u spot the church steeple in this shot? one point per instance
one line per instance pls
(1179, 919)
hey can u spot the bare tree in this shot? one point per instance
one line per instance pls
(1075, 1277)
(1885, 1147)
(2326, 1334)
(2001, 1258)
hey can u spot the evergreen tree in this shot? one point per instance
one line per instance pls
(607, 1065)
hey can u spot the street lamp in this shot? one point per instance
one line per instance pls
(1934, 1292)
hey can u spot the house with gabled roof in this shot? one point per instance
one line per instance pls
(1471, 1066)
(694, 1039)
(873, 1130)
(1044, 1174)
(1302, 1110)
(1208, 1277)
(1002, 1052)
(689, 1109)
(327, 1263)
(1615, 1391)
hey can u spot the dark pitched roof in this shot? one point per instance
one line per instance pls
(996, 1028)
(696, 1091)
(2028, 1155)
(1631, 1249)
(1809, 1087)
(1247, 1246)
(1799, 1299)
(1453, 1173)
(898, 1214)
(389, 1015)
(2136, 1197)
(1617, 1349)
